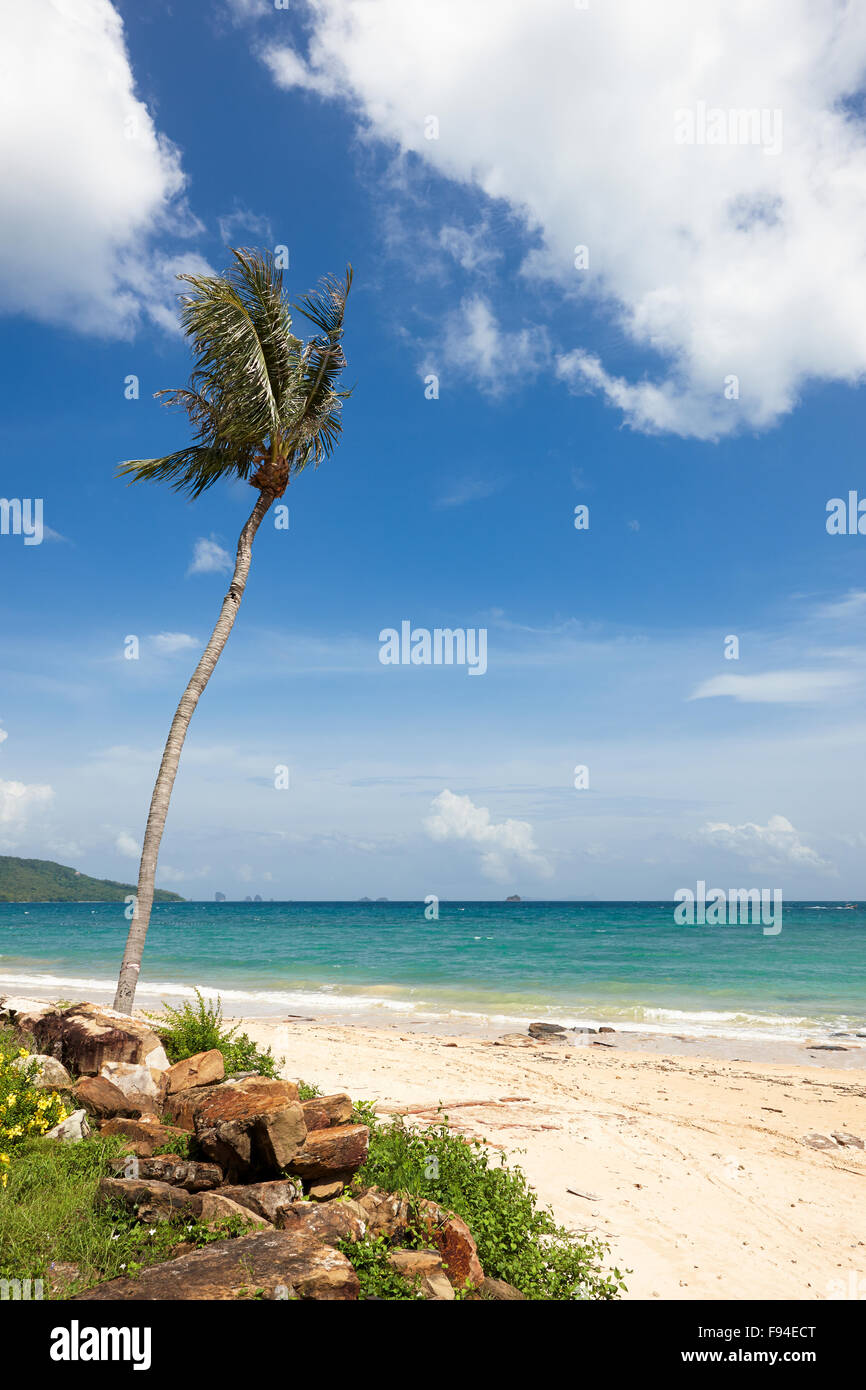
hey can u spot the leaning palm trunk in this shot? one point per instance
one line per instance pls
(129, 970)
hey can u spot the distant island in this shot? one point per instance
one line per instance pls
(515, 898)
(43, 881)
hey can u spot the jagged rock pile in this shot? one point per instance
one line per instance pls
(277, 1164)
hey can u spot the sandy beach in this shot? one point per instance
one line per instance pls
(692, 1166)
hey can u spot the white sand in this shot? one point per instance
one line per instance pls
(694, 1170)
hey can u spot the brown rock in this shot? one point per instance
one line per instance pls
(325, 1191)
(204, 1107)
(453, 1239)
(179, 1172)
(50, 1075)
(251, 1127)
(215, 1207)
(340, 1149)
(265, 1198)
(150, 1201)
(388, 1213)
(102, 1099)
(324, 1111)
(330, 1223)
(498, 1290)
(423, 1268)
(273, 1264)
(84, 1036)
(143, 1136)
(199, 1070)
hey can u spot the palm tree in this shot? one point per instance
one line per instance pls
(264, 405)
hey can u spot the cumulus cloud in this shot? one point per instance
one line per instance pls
(713, 259)
(167, 643)
(477, 349)
(127, 845)
(777, 687)
(209, 557)
(511, 841)
(776, 843)
(87, 178)
(17, 801)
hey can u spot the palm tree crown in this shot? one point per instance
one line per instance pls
(264, 403)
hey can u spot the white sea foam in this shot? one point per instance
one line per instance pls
(395, 1001)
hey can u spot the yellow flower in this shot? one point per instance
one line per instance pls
(22, 1052)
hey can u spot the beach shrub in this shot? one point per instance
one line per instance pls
(198, 1027)
(306, 1091)
(377, 1279)
(518, 1240)
(26, 1110)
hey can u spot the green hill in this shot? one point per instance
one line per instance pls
(43, 881)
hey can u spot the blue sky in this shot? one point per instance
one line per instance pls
(147, 142)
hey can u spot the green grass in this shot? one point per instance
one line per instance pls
(518, 1240)
(198, 1027)
(48, 1213)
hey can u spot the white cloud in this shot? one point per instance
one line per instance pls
(17, 800)
(471, 248)
(208, 557)
(477, 349)
(239, 225)
(87, 178)
(715, 260)
(851, 605)
(458, 818)
(167, 643)
(3, 735)
(775, 843)
(777, 687)
(127, 845)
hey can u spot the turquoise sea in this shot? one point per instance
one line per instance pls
(573, 963)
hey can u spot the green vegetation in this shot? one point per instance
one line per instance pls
(26, 1109)
(198, 1027)
(376, 1277)
(43, 881)
(517, 1240)
(49, 1215)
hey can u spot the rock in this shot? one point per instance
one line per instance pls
(326, 1152)
(424, 1269)
(72, 1129)
(498, 1289)
(84, 1037)
(329, 1223)
(198, 1070)
(252, 1127)
(143, 1086)
(325, 1191)
(23, 1013)
(388, 1213)
(607, 1030)
(204, 1107)
(102, 1099)
(543, 1030)
(265, 1198)
(325, 1111)
(51, 1074)
(848, 1141)
(179, 1172)
(819, 1141)
(215, 1207)
(453, 1239)
(266, 1264)
(150, 1200)
(142, 1136)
